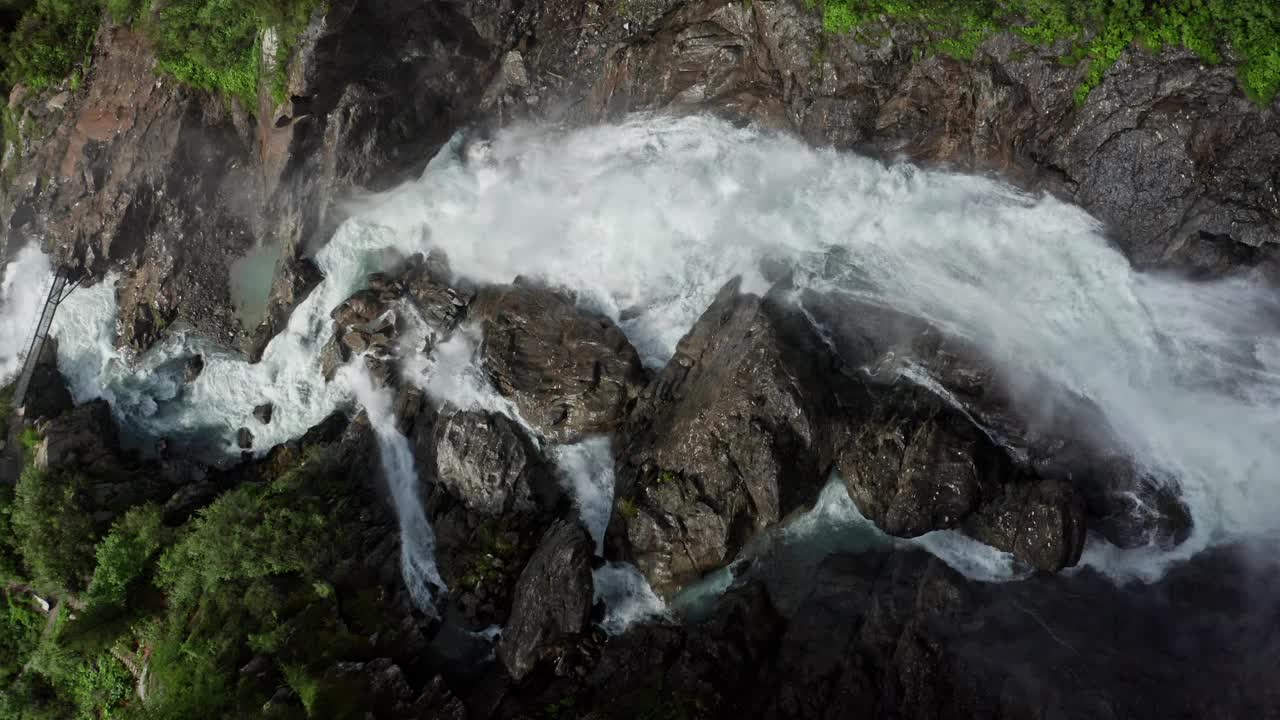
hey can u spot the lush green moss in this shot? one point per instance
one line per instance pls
(1098, 31)
(209, 44)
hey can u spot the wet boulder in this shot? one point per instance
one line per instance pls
(264, 413)
(439, 298)
(244, 438)
(552, 603)
(570, 372)
(1132, 508)
(732, 436)
(192, 368)
(1041, 523)
(491, 496)
(488, 462)
(370, 322)
(912, 465)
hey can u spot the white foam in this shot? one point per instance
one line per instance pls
(417, 541)
(26, 283)
(627, 596)
(654, 214)
(586, 471)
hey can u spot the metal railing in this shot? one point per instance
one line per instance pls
(59, 289)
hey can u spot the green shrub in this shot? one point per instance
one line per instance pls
(214, 44)
(52, 41)
(95, 686)
(10, 558)
(20, 626)
(124, 555)
(53, 529)
(1098, 31)
(208, 44)
(305, 685)
(125, 11)
(30, 439)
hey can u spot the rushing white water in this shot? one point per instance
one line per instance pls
(652, 216)
(417, 542)
(586, 470)
(626, 595)
(26, 283)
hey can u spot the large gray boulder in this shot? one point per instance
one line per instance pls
(490, 495)
(733, 435)
(552, 599)
(570, 372)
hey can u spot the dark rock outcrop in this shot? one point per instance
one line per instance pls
(264, 412)
(570, 372)
(368, 322)
(733, 435)
(552, 598)
(914, 465)
(1063, 437)
(490, 496)
(488, 462)
(85, 439)
(130, 163)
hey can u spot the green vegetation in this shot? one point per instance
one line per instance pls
(627, 508)
(493, 559)
(125, 555)
(262, 571)
(53, 530)
(209, 44)
(50, 40)
(1096, 32)
(30, 439)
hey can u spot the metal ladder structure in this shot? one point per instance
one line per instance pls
(59, 289)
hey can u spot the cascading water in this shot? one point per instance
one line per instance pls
(653, 215)
(22, 295)
(417, 543)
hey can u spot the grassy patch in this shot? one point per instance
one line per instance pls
(1098, 31)
(627, 508)
(30, 439)
(208, 44)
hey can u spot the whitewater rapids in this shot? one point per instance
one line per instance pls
(646, 220)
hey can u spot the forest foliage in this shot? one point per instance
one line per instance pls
(263, 571)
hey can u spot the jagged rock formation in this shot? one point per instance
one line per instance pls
(571, 373)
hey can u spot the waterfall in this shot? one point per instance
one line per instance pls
(646, 219)
(417, 543)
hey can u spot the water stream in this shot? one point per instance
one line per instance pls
(646, 220)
